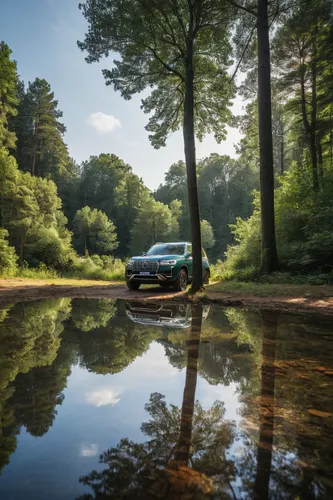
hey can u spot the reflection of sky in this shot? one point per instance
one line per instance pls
(97, 412)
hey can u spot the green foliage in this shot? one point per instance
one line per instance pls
(207, 235)
(94, 232)
(41, 272)
(303, 222)
(8, 257)
(91, 314)
(8, 98)
(108, 184)
(156, 57)
(97, 267)
(225, 192)
(154, 222)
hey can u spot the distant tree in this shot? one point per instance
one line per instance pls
(109, 184)
(94, 232)
(41, 147)
(153, 223)
(176, 208)
(8, 257)
(175, 188)
(207, 235)
(303, 54)
(8, 98)
(181, 50)
(31, 212)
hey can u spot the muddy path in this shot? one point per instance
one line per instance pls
(15, 290)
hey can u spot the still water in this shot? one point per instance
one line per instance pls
(102, 399)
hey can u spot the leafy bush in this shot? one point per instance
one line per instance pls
(41, 272)
(48, 247)
(303, 231)
(8, 257)
(97, 268)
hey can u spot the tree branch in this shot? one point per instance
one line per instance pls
(245, 9)
(165, 65)
(243, 53)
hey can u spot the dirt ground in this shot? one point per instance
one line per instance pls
(14, 290)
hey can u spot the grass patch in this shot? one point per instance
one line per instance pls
(272, 289)
(97, 268)
(38, 273)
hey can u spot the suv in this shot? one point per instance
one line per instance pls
(167, 315)
(168, 264)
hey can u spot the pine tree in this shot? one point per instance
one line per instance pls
(8, 98)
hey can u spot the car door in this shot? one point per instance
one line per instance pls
(189, 260)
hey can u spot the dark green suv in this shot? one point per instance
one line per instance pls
(168, 264)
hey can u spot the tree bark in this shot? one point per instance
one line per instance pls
(21, 251)
(182, 453)
(313, 129)
(269, 259)
(320, 160)
(191, 169)
(266, 413)
(282, 153)
(34, 149)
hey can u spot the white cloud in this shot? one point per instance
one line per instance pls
(103, 123)
(89, 450)
(103, 397)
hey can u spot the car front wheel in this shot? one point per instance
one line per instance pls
(181, 283)
(133, 285)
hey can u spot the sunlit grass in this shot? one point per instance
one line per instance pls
(272, 290)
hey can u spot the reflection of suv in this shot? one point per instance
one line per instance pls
(169, 315)
(168, 264)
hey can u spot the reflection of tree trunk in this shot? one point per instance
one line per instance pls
(183, 447)
(266, 416)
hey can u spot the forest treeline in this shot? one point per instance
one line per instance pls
(79, 218)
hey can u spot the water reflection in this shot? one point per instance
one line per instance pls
(184, 446)
(239, 403)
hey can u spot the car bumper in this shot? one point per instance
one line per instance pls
(162, 276)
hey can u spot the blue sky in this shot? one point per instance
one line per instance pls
(43, 36)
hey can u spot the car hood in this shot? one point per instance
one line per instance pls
(157, 257)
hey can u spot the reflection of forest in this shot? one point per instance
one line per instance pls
(286, 406)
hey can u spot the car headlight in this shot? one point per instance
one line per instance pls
(130, 263)
(167, 262)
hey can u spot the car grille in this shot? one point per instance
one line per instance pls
(145, 265)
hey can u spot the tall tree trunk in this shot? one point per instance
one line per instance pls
(182, 453)
(282, 154)
(191, 169)
(320, 160)
(266, 416)
(269, 259)
(313, 130)
(34, 150)
(21, 251)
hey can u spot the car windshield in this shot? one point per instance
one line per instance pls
(167, 249)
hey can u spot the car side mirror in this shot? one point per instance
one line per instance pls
(143, 254)
(188, 255)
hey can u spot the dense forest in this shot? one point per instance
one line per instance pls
(85, 219)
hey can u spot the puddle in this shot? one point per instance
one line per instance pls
(102, 399)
